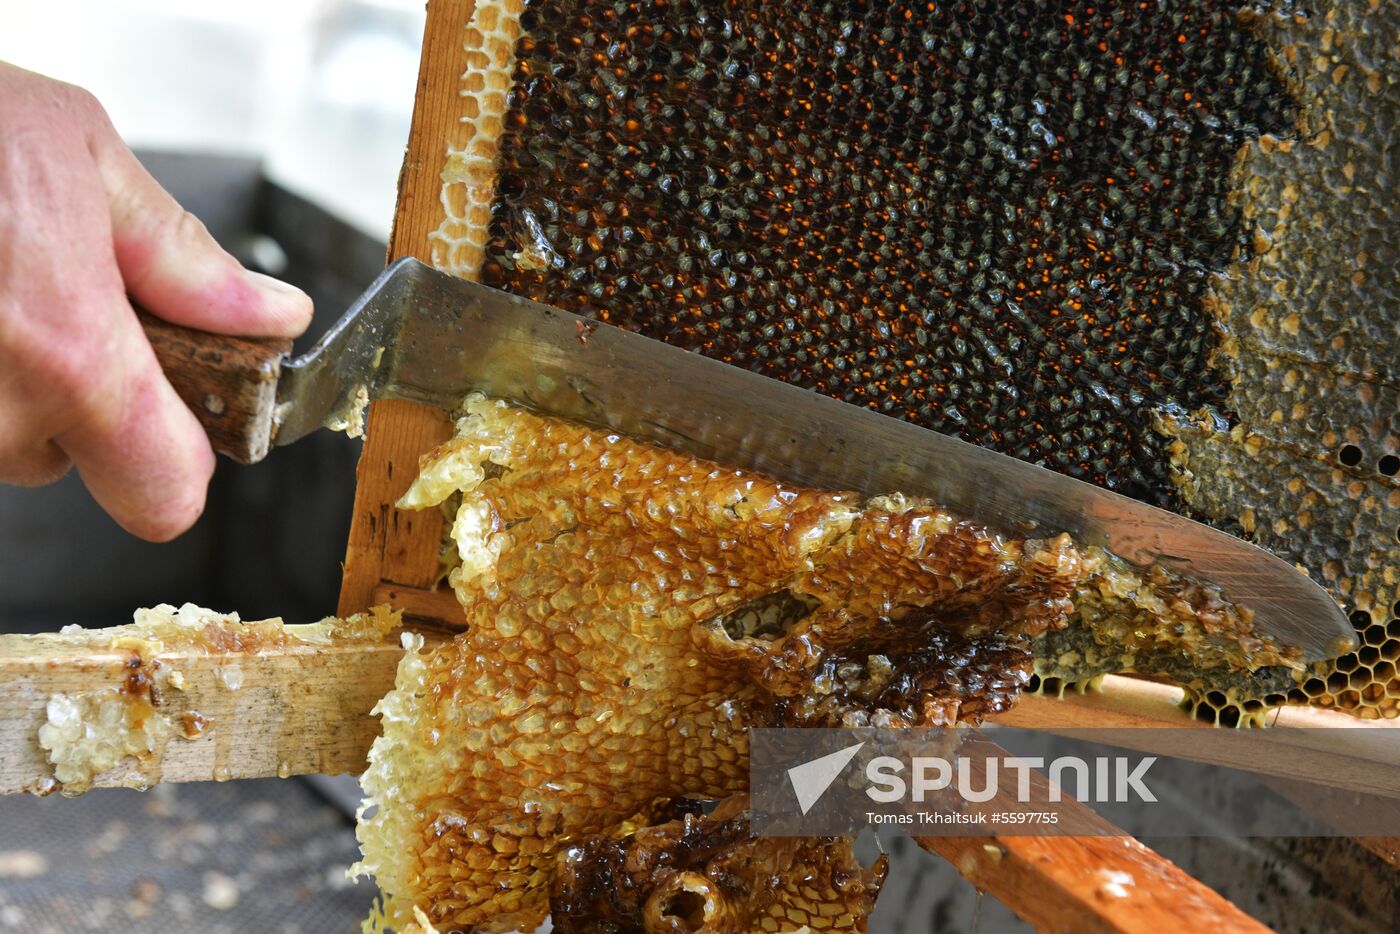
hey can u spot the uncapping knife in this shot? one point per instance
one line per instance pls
(421, 335)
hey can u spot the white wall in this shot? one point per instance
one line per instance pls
(322, 90)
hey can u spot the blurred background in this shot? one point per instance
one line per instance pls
(319, 92)
(282, 126)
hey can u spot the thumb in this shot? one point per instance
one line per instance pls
(175, 269)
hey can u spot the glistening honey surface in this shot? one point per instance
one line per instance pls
(630, 611)
(712, 873)
(998, 220)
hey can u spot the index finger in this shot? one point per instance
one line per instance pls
(174, 267)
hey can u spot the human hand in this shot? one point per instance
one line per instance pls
(82, 226)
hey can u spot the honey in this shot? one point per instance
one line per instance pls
(1148, 245)
(631, 611)
(713, 873)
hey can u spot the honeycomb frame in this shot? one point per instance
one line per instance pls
(1292, 107)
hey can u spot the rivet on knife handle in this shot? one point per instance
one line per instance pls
(230, 383)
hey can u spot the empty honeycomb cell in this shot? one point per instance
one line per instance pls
(1388, 465)
(1225, 713)
(1349, 455)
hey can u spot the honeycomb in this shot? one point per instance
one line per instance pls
(712, 873)
(630, 612)
(1086, 235)
(1309, 467)
(469, 172)
(998, 220)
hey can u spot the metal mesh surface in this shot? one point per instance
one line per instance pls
(264, 855)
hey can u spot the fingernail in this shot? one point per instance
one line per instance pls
(269, 284)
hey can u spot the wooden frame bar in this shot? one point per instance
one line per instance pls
(389, 546)
(286, 710)
(1089, 884)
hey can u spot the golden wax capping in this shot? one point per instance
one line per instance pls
(630, 611)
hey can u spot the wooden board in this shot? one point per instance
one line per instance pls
(387, 545)
(1090, 877)
(305, 709)
(289, 710)
(1067, 884)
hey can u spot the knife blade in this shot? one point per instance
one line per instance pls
(427, 337)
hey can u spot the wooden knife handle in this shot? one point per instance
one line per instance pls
(230, 383)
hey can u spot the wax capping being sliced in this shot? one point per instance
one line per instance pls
(630, 611)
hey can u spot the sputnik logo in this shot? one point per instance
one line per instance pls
(810, 780)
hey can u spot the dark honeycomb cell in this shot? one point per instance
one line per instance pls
(713, 868)
(1055, 229)
(998, 220)
(1308, 467)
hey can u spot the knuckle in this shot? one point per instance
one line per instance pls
(172, 233)
(83, 102)
(76, 375)
(186, 228)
